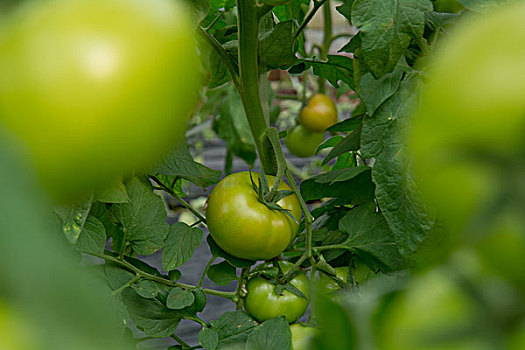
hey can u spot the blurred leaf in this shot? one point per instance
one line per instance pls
(337, 329)
(371, 239)
(179, 298)
(208, 339)
(222, 273)
(273, 334)
(386, 29)
(143, 218)
(93, 236)
(198, 9)
(179, 162)
(233, 329)
(73, 218)
(181, 242)
(114, 193)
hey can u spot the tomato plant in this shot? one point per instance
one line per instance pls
(85, 84)
(303, 143)
(262, 301)
(415, 202)
(245, 227)
(319, 114)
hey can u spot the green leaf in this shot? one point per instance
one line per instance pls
(114, 193)
(219, 74)
(350, 142)
(179, 162)
(179, 298)
(222, 273)
(93, 236)
(233, 329)
(232, 126)
(347, 125)
(276, 47)
(208, 339)
(336, 68)
(234, 261)
(484, 6)
(143, 218)
(174, 275)
(180, 243)
(151, 315)
(349, 186)
(371, 239)
(273, 334)
(198, 9)
(146, 289)
(374, 92)
(73, 218)
(116, 275)
(386, 29)
(294, 290)
(345, 9)
(331, 142)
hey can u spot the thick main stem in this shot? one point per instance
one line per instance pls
(248, 22)
(327, 40)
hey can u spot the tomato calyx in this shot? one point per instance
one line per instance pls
(270, 197)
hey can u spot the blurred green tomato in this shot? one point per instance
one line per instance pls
(95, 88)
(303, 143)
(302, 336)
(327, 284)
(473, 106)
(426, 314)
(14, 332)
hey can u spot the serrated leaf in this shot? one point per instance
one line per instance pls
(151, 315)
(386, 29)
(143, 218)
(273, 334)
(146, 289)
(276, 47)
(93, 236)
(371, 239)
(208, 339)
(179, 162)
(222, 273)
(73, 218)
(181, 242)
(179, 298)
(232, 328)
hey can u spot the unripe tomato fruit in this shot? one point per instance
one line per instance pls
(262, 303)
(95, 88)
(302, 336)
(15, 332)
(319, 114)
(472, 112)
(243, 226)
(327, 284)
(303, 143)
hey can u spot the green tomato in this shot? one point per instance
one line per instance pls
(423, 316)
(263, 303)
(472, 112)
(95, 88)
(451, 6)
(303, 143)
(319, 114)
(302, 336)
(15, 332)
(245, 227)
(327, 284)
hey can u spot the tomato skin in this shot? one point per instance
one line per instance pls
(467, 115)
(96, 88)
(243, 226)
(302, 336)
(262, 303)
(303, 143)
(319, 114)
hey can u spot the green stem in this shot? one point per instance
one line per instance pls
(228, 162)
(308, 18)
(179, 199)
(158, 279)
(212, 259)
(207, 29)
(239, 291)
(181, 342)
(123, 245)
(332, 246)
(126, 285)
(327, 40)
(248, 23)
